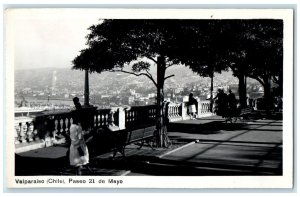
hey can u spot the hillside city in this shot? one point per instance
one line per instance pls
(54, 88)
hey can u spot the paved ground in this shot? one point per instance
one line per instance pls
(208, 146)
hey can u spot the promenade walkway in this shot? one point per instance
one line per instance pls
(207, 146)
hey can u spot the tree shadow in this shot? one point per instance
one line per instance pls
(213, 127)
(33, 166)
(246, 164)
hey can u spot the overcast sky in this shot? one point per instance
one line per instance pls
(49, 38)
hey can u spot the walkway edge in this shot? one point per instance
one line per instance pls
(125, 173)
(179, 148)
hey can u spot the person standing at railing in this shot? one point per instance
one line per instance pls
(84, 115)
(192, 106)
(221, 103)
(77, 104)
(232, 104)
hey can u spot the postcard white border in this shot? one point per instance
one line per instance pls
(285, 181)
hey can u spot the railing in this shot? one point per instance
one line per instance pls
(139, 115)
(176, 111)
(101, 118)
(179, 111)
(53, 128)
(56, 125)
(205, 108)
(24, 130)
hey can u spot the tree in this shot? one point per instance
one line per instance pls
(112, 44)
(255, 52)
(266, 55)
(210, 57)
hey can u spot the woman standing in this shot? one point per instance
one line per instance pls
(79, 155)
(192, 106)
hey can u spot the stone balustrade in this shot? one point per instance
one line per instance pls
(179, 111)
(204, 108)
(53, 128)
(138, 115)
(24, 130)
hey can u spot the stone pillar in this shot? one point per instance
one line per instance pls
(17, 133)
(121, 113)
(111, 118)
(199, 107)
(86, 89)
(184, 111)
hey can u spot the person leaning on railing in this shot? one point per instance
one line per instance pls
(192, 106)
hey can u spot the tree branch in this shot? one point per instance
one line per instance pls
(257, 78)
(137, 74)
(169, 77)
(151, 77)
(152, 59)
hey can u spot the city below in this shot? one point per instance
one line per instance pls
(54, 88)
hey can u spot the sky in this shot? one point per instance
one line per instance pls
(48, 38)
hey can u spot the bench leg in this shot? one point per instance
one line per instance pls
(142, 144)
(120, 150)
(123, 151)
(148, 142)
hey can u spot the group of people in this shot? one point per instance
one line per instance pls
(226, 104)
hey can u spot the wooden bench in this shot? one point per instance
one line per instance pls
(238, 114)
(125, 137)
(245, 112)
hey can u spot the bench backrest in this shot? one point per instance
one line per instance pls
(140, 134)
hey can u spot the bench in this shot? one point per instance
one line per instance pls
(238, 114)
(122, 138)
(245, 112)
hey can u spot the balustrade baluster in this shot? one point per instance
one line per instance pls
(64, 124)
(69, 124)
(96, 119)
(101, 119)
(58, 125)
(23, 132)
(130, 116)
(30, 131)
(104, 119)
(17, 133)
(55, 132)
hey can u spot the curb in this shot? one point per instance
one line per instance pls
(125, 173)
(179, 148)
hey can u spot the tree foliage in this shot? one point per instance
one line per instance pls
(250, 48)
(113, 44)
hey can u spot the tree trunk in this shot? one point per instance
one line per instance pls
(280, 81)
(211, 92)
(242, 90)
(267, 95)
(161, 129)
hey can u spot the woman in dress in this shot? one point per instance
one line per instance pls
(79, 155)
(192, 106)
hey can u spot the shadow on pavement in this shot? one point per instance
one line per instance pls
(207, 128)
(263, 161)
(31, 166)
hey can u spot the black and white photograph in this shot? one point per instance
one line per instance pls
(145, 98)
